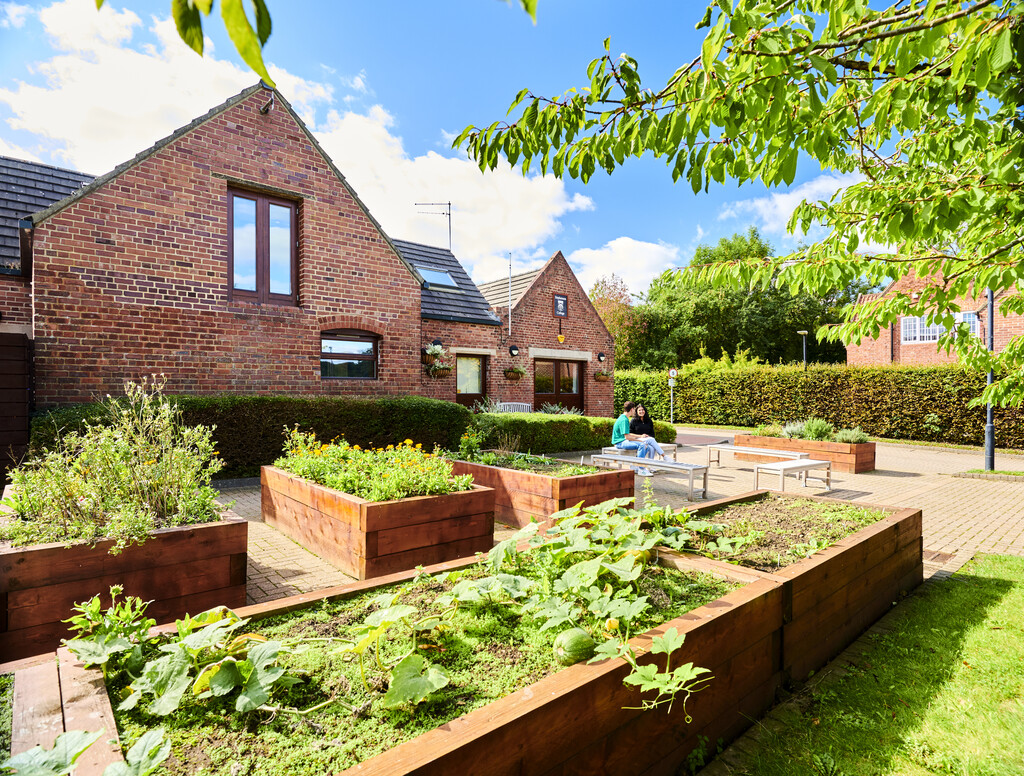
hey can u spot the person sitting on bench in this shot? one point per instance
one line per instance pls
(643, 427)
(623, 439)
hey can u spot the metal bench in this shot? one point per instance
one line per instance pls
(799, 468)
(689, 469)
(765, 451)
(515, 406)
(668, 448)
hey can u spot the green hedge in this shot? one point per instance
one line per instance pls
(540, 433)
(896, 402)
(249, 429)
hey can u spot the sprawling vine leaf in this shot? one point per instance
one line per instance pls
(52, 762)
(413, 680)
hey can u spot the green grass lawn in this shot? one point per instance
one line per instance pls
(941, 693)
(997, 471)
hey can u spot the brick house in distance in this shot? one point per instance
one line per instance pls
(912, 341)
(234, 257)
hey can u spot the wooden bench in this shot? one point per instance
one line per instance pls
(799, 468)
(668, 448)
(689, 469)
(752, 451)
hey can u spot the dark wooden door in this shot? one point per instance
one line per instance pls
(470, 379)
(15, 384)
(558, 382)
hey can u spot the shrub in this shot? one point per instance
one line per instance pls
(794, 430)
(818, 430)
(548, 408)
(540, 433)
(141, 469)
(393, 472)
(851, 436)
(248, 429)
(768, 430)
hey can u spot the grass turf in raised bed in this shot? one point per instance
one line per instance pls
(487, 651)
(786, 530)
(941, 690)
(6, 712)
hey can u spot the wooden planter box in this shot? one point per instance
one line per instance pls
(368, 539)
(185, 569)
(836, 594)
(521, 496)
(844, 457)
(573, 721)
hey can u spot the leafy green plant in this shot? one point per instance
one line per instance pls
(140, 470)
(851, 436)
(397, 471)
(794, 430)
(515, 369)
(59, 760)
(550, 408)
(100, 633)
(818, 430)
(768, 430)
(469, 444)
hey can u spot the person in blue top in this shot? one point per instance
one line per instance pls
(645, 446)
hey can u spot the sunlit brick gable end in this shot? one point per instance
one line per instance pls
(913, 342)
(132, 278)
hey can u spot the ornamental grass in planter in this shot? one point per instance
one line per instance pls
(848, 449)
(128, 500)
(374, 512)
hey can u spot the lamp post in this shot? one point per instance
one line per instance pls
(803, 334)
(990, 428)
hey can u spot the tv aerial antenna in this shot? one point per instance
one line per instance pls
(447, 213)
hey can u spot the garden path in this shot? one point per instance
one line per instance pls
(961, 516)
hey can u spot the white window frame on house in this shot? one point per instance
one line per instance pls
(923, 329)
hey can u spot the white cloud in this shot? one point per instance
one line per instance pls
(13, 15)
(114, 85)
(771, 213)
(635, 261)
(17, 152)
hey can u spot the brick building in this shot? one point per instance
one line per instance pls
(912, 340)
(233, 257)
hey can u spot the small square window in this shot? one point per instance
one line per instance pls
(348, 354)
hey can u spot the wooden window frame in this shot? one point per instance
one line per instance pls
(351, 335)
(262, 293)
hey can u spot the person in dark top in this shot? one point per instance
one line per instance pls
(642, 425)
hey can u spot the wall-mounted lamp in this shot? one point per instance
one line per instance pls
(437, 342)
(513, 351)
(600, 357)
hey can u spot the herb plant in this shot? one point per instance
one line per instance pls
(140, 470)
(818, 430)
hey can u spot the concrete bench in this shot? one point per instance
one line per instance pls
(767, 452)
(689, 469)
(668, 448)
(799, 468)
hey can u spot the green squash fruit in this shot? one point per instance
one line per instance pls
(573, 645)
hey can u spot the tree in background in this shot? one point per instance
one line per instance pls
(687, 320)
(922, 98)
(613, 302)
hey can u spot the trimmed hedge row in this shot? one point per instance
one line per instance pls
(896, 402)
(539, 433)
(250, 429)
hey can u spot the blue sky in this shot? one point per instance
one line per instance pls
(385, 86)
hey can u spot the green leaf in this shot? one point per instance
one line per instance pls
(168, 679)
(412, 681)
(95, 652)
(242, 35)
(1001, 53)
(667, 643)
(530, 6)
(189, 23)
(705, 20)
(263, 23)
(52, 762)
(145, 756)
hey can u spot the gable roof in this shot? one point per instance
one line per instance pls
(96, 183)
(464, 304)
(26, 187)
(496, 292)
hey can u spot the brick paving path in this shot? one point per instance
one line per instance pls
(961, 516)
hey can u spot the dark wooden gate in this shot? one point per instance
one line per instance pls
(15, 395)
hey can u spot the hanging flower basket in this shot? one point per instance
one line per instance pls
(514, 373)
(427, 358)
(437, 371)
(602, 377)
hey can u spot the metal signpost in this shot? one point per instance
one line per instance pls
(672, 395)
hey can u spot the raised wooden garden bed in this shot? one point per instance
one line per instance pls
(185, 569)
(520, 496)
(844, 457)
(368, 539)
(583, 719)
(836, 594)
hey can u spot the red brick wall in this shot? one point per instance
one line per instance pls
(15, 300)
(132, 279)
(534, 325)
